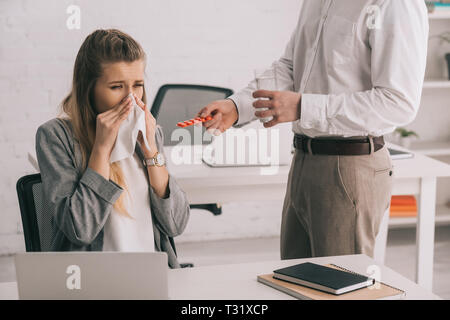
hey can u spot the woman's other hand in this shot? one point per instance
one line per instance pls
(150, 126)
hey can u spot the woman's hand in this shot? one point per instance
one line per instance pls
(150, 127)
(107, 128)
(158, 176)
(108, 124)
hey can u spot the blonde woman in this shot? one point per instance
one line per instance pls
(95, 205)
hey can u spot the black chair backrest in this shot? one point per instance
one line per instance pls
(37, 222)
(178, 102)
(29, 192)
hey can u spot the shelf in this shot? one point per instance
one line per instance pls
(436, 84)
(431, 148)
(442, 218)
(440, 14)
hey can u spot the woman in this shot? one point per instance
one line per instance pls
(95, 205)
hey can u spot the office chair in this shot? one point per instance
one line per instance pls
(181, 102)
(29, 192)
(37, 223)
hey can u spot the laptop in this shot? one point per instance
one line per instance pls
(399, 154)
(92, 275)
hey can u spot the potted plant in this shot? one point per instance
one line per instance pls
(405, 136)
(445, 38)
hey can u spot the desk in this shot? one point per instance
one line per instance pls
(238, 281)
(417, 175)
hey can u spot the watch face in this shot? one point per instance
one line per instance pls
(160, 159)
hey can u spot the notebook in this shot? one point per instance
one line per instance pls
(323, 278)
(377, 291)
(403, 206)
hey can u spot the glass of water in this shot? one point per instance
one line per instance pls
(266, 79)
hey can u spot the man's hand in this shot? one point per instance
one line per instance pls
(224, 115)
(284, 106)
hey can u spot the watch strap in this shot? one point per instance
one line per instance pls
(152, 162)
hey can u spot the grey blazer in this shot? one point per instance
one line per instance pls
(80, 202)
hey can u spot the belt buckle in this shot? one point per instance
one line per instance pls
(371, 145)
(306, 144)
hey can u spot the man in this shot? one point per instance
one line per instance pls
(352, 72)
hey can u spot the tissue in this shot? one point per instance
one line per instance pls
(128, 133)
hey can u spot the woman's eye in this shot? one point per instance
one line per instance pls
(119, 87)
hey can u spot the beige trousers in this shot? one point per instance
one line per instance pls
(334, 204)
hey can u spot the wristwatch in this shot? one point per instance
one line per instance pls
(158, 160)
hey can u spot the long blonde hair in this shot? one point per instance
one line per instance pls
(100, 47)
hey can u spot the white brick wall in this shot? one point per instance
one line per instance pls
(197, 41)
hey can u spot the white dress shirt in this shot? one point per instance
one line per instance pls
(359, 65)
(134, 234)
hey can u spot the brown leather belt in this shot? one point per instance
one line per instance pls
(341, 146)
